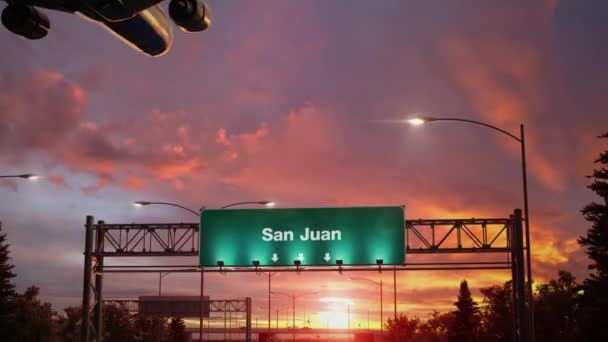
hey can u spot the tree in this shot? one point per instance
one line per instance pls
(33, 318)
(594, 304)
(435, 329)
(402, 329)
(176, 330)
(150, 329)
(556, 309)
(497, 313)
(466, 317)
(118, 324)
(69, 324)
(7, 289)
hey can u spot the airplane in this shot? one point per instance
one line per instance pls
(141, 24)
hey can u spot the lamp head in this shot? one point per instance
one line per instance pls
(339, 262)
(140, 203)
(297, 262)
(379, 261)
(256, 263)
(420, 120)
(29, 176)
(220, 263)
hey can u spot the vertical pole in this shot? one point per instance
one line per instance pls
(523, 317)
(277, 318)
(512, 247)
(395, 292)
(528, 247)
(100, 236)
(367, 319)
(381, 317)
(160, 279)
(348, 314)
(248, 323)
(224, 321)
(293, 317)
(200, 329)
(86, 287)
(269, 302)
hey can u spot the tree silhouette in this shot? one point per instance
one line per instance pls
(435, 329)
(33, 318)
(402, 329)
(69, 324)
(7, 289)
(557, 309)
(177, 330)
(150, 329)
(595, 299)
(118, 324)
(497, 313)
(466, 317)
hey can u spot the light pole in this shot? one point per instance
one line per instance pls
(521, 140)
(161, 275)
(293, 306)
(270, 275)
(286, 314)
(379, 283)
(144, 203)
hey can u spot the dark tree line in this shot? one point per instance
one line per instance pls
(25, 318)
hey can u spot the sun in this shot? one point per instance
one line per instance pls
(336, 314)
(333, 319)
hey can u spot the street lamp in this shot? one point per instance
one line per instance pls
(144, 203)
(379, 283)
(28, 176)
(418, 121)
(161, 275)
(264, 203)
(293, 306)
(270, 275)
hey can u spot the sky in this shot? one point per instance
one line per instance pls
(300, 102)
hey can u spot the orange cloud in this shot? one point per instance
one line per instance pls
(133, 182)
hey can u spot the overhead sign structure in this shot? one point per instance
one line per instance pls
(313, 236)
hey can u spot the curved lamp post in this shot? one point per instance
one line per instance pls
(418, 121)
(293, 306)
(28, 176)
(143, 203)
(264, 203)
(379, 283)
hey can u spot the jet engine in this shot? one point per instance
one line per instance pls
(190, 15)
(25, 21)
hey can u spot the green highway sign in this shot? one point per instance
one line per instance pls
(314, 236)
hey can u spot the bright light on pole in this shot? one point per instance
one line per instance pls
(416, 121)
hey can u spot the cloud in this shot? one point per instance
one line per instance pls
(57, 180)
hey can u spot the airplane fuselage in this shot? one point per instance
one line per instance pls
(141, 24)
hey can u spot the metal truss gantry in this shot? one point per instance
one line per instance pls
(438, 236)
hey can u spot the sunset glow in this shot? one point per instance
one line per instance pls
(310, 104)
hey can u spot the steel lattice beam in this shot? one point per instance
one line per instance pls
(423, 236)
